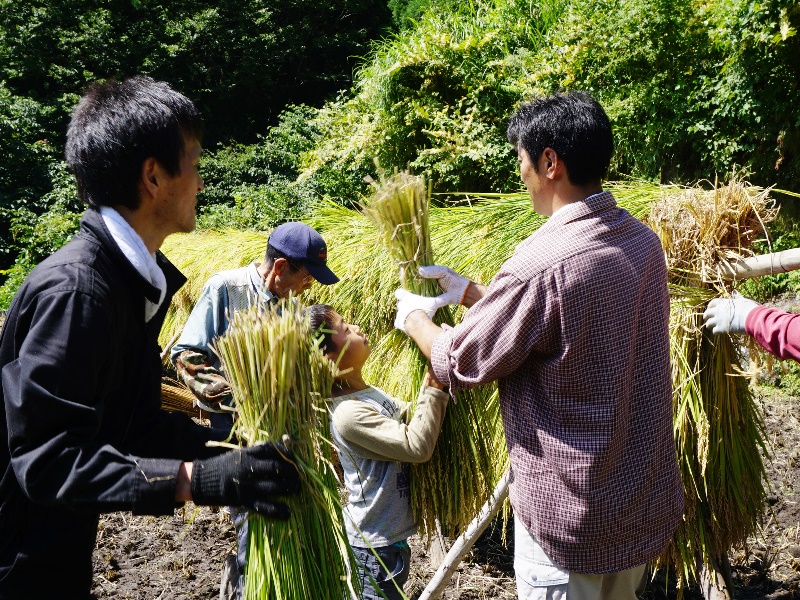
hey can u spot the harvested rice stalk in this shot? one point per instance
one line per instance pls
(719, 432)
(455, 483)
(280, 383)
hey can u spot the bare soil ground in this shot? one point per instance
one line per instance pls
(181, 556)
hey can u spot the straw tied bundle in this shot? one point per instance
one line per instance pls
(450, 489)
(719, 432)
(281, 381)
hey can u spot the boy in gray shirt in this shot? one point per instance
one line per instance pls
(376, 445)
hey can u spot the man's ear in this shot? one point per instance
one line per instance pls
(150, 176)
(554, 167)
(280, 266)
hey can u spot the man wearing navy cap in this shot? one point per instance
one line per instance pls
(296, 257)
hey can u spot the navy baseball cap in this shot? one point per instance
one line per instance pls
(304, 245)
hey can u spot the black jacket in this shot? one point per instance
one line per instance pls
(84, 433)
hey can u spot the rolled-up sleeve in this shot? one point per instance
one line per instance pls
(497, 333)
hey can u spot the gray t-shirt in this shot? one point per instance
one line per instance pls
(375, 447)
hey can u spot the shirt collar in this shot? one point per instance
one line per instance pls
(573, 211)
(134, 249)
(258, 284)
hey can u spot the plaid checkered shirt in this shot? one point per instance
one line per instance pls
(575, 330)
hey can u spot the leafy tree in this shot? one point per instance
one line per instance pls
(36, 234)
(693, 89)
(253, 186)
(26, 153)
(241, 60)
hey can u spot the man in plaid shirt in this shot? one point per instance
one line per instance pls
(574, 328)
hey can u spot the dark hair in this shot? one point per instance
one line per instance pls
(572, 124)
(116, 126)
(321, 317)
(273, 253)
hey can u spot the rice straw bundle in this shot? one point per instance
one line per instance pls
(280, 383)
(175, 396)
(719, 432)
(452, 487)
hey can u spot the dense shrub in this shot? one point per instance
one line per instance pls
(694, 89)
(26, 153)
(435, 98)
(35, 235)
(253, 186)
(242, 61)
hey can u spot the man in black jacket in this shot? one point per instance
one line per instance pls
(79, 361)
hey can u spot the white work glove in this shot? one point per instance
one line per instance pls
(728, 315)
(453, 284)
(408, 303)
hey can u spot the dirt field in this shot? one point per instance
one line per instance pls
(181, 556)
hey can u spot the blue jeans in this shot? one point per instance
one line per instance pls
(397, 560)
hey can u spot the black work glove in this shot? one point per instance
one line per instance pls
(250, 477)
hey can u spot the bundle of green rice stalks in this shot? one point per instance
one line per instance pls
(280, 383)
(719, 432)
(450, 488)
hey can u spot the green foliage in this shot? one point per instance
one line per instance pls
(692, 89)
(26, 153)
(436, 99)
(641, 60)
(240, 60)
(253, 186)
(752, 93)
(36, 236)
(405, 12)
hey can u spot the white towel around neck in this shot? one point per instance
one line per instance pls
(135, 251)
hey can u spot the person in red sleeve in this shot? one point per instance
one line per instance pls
(776, 330)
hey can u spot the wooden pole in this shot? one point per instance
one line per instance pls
(463, 544)
(766, 264)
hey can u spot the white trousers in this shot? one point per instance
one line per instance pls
(539, 578)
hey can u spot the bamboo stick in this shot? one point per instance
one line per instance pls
(766, 264)
(463, 544)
